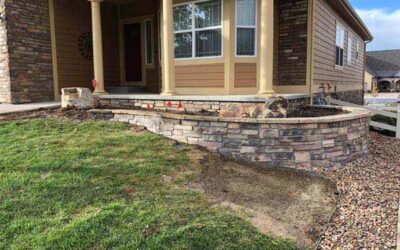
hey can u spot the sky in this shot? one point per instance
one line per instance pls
(383, 20)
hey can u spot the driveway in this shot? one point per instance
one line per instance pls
(16, 108)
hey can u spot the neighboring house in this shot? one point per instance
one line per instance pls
(370, 82)
(221, 47)
(384, 67)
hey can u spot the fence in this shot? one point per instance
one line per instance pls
(383, 111)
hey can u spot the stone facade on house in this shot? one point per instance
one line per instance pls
(5, 87)
(26, 72)
(292, 56)
(352, 96)
(302, 143)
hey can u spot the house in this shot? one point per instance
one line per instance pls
(370, 82)
(384, 68)
(180, 48)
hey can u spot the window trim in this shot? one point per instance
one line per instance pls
(151, 42)
(194, 30)
(343, 31)
(349, 48)
(357, 57)
(255, 27)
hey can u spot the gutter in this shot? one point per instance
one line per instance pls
(349, 8)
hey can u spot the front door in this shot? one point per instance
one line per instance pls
(133, 52)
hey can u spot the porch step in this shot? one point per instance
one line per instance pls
(126, 90)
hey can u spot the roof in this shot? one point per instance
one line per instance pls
(384, 63)
(347, 11)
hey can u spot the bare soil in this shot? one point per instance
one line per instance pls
(303, 113)
(316, 112)
(75, 114)
(284, 202)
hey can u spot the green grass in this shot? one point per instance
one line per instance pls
(96, 185)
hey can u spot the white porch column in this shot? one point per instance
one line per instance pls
(97, 46)
(266, 48)
(168, 48)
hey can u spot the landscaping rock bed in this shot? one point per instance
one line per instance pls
(367, 215)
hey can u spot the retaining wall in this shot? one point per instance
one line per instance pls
(304, 143)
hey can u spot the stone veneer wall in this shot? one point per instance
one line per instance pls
(353, 96)
(26, 63)
(189, 106)
(305, 143)
(292, 56)
(5, 88)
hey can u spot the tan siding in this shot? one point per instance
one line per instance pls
(71, 19)
(208, 75)
(245, 75)
(351, 76)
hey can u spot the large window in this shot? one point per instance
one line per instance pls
(149, 41)
(340, 32)
(198, 29)
(349, 49)
(246, 27)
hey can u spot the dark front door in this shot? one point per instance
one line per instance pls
(133, 52)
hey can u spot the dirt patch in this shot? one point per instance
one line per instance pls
(316, 112)
(284, 202)
(75, 114)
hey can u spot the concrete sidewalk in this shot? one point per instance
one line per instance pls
(17, 108)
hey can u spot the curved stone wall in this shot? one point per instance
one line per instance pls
(304, 143)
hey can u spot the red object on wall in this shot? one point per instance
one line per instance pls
(169, 104)
(94, 83)
(180, 105)
(148, 106)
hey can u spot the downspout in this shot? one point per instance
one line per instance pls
(311, 48)
(364, 66)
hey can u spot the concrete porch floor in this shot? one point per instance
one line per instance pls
(17, 108)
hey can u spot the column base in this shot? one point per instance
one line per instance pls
(266, 93)
(100, 92)
(169, 93)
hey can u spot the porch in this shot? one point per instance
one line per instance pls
(133, 46)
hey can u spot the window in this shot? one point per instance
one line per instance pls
(339, 44)
(198, 29)
(149, 41)
(357, 50)
(349, 49)
(246, 27)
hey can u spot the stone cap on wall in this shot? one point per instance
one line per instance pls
(352, 113)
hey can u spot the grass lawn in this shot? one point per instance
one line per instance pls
(96, 185)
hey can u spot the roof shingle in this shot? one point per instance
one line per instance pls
(385, 63)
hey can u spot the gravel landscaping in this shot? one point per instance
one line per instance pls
(367, 215)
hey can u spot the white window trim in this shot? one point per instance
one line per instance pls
(255, 27)
(151, 41)
(357, 50)
(349, 49)
(194, 30)
(343, 32)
